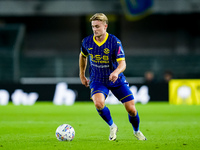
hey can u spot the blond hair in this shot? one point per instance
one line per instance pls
(99, 16)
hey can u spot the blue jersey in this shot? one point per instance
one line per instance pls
(103, 57)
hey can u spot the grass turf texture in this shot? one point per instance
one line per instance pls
(33, 127)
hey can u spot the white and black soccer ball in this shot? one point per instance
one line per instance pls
(65, 132)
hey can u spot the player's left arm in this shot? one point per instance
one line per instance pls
(121, 67)
(120, 58)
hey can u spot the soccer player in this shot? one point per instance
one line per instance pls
(106, 57)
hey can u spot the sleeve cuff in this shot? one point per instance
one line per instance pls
(119, 59)
(83, 54)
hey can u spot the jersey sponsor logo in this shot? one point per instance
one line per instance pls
(100, 66)
(105, 57)
(100, 59)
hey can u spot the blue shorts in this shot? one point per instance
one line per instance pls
(122, 91)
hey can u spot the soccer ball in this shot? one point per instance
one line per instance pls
(65, 132)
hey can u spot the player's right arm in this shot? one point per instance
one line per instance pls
(82, 69)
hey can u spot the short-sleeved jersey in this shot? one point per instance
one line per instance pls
(103, 57)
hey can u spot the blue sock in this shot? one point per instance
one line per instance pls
(105, 114)
(135, 121)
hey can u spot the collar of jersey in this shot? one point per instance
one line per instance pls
(100, 44)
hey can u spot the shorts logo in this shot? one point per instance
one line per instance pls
(106, 51)
(92, 90)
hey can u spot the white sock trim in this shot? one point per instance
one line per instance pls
(113, 125)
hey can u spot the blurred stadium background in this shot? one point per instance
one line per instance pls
(40, 41)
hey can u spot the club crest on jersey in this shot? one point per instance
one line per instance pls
(106, 51)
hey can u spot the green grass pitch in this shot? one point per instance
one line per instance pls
(33, 127)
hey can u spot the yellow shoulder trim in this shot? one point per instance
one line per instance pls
(119, 59)
(100, 44)
(83, 54)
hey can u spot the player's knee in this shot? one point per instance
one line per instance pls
(130, 108)
(99, 105)
(98, 100)
(132, 112)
